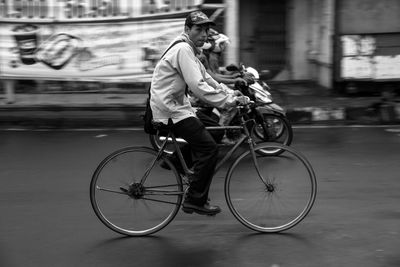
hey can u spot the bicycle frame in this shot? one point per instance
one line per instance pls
(247, 136)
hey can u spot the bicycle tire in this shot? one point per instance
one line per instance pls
(279, 130)
(127, 206)
(278, 203)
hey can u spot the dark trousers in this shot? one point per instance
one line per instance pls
(201, 153)
(208, 118)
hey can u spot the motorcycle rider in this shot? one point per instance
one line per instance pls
(211, 57)
(178, 72)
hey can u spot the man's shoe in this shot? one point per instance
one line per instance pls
(205, 209)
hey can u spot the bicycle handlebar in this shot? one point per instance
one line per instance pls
(252, 103)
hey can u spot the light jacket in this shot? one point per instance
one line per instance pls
(176, 69)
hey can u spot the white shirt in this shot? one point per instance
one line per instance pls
(178, 67)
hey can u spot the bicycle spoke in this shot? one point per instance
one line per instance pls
(285, 197)
(162, 192)
(161, 186)
(112, 191)
(145, 210)
(160, 201)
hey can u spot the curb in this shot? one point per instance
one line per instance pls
(59, 116)
(53, 116)
(382, 113)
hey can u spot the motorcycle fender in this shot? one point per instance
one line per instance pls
(271, 109)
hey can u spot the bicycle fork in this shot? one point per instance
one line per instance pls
(253, 153)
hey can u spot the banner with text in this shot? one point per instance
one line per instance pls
(120, 51)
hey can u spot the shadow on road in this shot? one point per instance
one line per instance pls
(193, 249)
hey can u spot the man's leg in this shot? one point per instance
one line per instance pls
(217, 135)
(207, 120)
(204, 153)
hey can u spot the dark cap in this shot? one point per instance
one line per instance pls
(198, 18)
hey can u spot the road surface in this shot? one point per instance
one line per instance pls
(46, 217)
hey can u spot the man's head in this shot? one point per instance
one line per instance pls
(197, 25)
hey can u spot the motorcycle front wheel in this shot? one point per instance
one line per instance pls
(273, 128)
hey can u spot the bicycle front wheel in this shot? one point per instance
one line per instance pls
(272, 194)
(126, 203)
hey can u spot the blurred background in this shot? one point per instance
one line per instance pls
(74, 80)
(334, 47)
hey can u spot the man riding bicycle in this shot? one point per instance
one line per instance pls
(178, 72)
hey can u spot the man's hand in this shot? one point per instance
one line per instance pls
(236, 75)
(241, 81)
(243, 100)
(248, 77)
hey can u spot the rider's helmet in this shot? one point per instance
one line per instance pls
(220, 43)
(212, 36)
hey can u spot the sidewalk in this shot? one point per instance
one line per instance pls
(304, 103)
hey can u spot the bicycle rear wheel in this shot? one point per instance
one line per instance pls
(131, 207)
(277, 201)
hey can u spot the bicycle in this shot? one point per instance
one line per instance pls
(274, 128)
(133, 195)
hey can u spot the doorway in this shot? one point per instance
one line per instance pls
(263, 35)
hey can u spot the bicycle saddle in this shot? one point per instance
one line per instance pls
(162, 126)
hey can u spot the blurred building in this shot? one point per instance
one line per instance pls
(336, 43)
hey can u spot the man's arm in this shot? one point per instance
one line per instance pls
(214, 95)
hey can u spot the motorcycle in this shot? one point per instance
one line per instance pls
(272, 124)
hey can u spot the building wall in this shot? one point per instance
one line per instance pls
(298, 43)
(262, 34)
(311, 34)
(311, 44)
(320, 55)
(231, 25)
(367, 41)
(368, 16)
(307, 50)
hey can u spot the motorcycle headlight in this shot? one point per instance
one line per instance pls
(263, 98)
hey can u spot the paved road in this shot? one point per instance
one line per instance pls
(46, 218)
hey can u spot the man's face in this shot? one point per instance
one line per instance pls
(198, 34)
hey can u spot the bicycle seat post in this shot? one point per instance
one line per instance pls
(179, 153)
